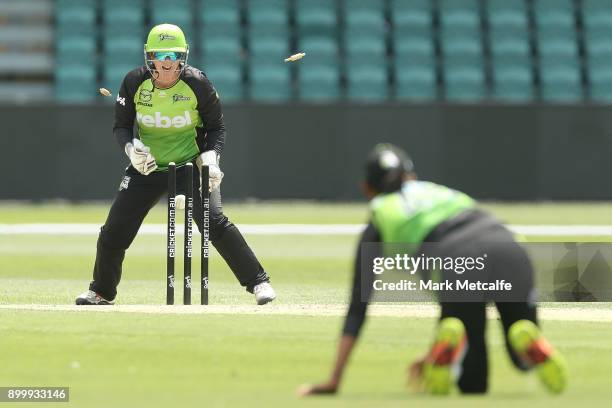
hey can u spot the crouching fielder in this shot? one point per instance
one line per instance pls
(179, 119)
(406, 210)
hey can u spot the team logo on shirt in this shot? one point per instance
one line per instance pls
(120, 100)
(178, 97)
(145, 95)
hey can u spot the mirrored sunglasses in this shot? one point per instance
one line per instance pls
(165, 55)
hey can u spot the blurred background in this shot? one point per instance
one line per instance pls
(505, 99)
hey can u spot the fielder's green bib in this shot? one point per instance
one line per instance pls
(410, 214)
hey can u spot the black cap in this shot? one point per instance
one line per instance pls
(386, 166)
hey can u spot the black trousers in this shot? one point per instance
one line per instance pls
(137, 195)
(479, 233)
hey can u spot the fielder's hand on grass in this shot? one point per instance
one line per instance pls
(415, 375)
(329, 387)
(141, 157)
(345, 346)
(215, 175)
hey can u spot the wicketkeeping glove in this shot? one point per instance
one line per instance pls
(140, 156)
(215, 175)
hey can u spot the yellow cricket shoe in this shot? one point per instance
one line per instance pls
(443, 363)
(528, 342)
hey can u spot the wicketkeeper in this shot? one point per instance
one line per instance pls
(179, 119)
(406, 210)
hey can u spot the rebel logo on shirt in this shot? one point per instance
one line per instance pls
(159, 121)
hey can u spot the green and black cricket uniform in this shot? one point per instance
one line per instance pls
(423, 212)
(177, 124)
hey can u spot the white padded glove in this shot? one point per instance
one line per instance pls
(215, 175)
(140, 156)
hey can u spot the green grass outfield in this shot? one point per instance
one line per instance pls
(115, 359)
(595, 213)
(239, 359)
